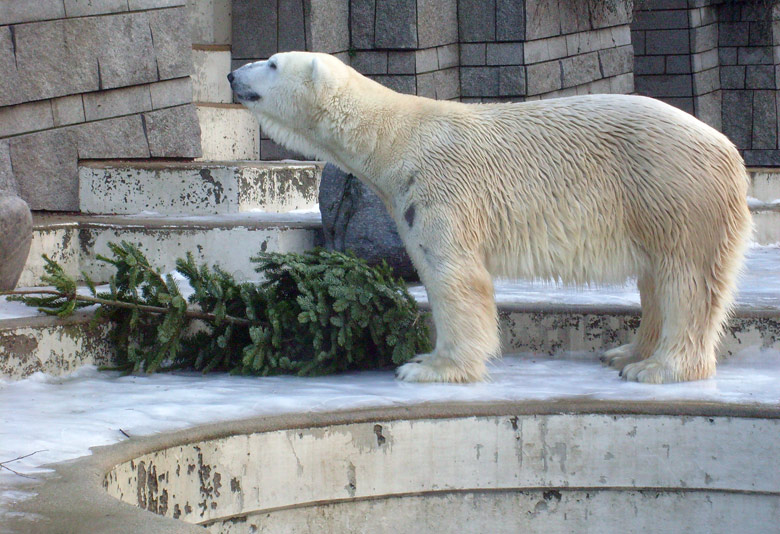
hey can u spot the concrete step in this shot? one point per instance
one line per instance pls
(764, 202)
(197, 188)
(228, 132)
(209, 79)
(227, 240)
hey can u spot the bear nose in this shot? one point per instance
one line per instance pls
(230, 77)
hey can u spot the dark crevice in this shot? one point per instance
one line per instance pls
(12, 29)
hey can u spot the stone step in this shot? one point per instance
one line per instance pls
(764, 185)
(228, 132)
(227, 240)
(197, 188)
(764, 202)
(30, 342)
(209, 79)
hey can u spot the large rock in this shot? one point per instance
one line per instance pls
(354, 218)
(16, 222)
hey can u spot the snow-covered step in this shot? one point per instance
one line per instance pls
(209, 79)
(227, 240)
(30, 342)
(764, 202)
(765, 185)
(228, 132)
(197, 188)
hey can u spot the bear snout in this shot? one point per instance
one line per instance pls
(230, 78)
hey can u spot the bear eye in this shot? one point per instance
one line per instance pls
(272, 64)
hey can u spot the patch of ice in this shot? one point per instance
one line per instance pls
(64, 416)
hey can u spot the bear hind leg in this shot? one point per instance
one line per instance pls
(692, 316)
(465, 317)
(647, 335)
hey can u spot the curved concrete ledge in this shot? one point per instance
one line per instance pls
(571, 466)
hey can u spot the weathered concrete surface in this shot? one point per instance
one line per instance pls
(577, 465)
(226, 240)
(228, 132)
(209, 78)
(208, 188)
(52, 345)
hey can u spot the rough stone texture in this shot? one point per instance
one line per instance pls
(252, 19)
(362, 14)
(172, 53)
(373, 62)
(426, 60)
(511, 81)
(437, 22)
(354, 218)
(68, 110)
(170, 132)
(401, 63)
(510, 20)
(396, 24)
(15, 239)
(170, 93)
(616, 61)
(51, 59)
(760, 77)
(402, 84)
(291, 22)
(121, 137)
(124, 101)
(473, 54)
(15, 11)
(732, 77)
(479, 81)
(764, 120)
(327, 26)
(118, 34)
(667, 42)
(737, 121)
(580, 69)
(44, 165)
(81, 8)
(477, 20)
(543, 19)
(24, 118)
(543, 77)
(505, 54)
(7, 181)
(678, 64)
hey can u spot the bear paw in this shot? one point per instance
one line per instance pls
(431, 368)
(621, 356)
(649, 371)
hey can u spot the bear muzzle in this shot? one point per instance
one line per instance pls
(241, 91)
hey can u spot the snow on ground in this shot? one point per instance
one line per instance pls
(64, 416)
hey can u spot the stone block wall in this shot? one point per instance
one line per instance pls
(715, 59)
(469, 50)
(515, 50)
(85, 80)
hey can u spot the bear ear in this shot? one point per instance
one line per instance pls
(319, 71)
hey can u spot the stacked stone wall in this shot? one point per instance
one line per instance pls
(85, 79)
(718, 60)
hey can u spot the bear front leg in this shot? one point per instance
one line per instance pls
(464, 314)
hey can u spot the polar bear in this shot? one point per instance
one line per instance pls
(586, 189)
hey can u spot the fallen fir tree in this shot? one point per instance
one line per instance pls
(314, 313)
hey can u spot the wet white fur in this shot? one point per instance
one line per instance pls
(586, 189)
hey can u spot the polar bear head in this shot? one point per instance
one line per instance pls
(292, 94)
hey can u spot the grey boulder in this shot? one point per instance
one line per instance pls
(15, 238)
(354, 218)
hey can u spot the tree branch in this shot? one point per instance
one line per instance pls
(127, 305)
